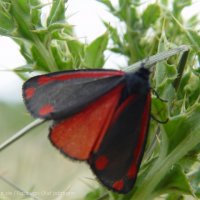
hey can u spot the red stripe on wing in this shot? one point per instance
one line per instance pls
(114, 117)
(83, 74)
(123, 106)
(144, 127)
(138, 153)
(76, 136)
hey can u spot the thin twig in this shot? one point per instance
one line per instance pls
(20, 133)
(27, 194)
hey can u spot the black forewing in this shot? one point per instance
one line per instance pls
(118, 157)
(58, 95)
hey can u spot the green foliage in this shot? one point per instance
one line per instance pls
(94, 52)
(150, 15)
(48, 45)
(172, 169)
(174, 181)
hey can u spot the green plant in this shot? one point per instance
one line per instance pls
(171, 170)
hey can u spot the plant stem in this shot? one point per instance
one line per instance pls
(20, 133)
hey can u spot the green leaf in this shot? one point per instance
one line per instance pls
(123, 3)
(94, 52)
(165, 75)
(57, 13)
(122, 12)
(179, 127)
(160, 71)
(151, 15)
(7, 25)
(176, 181)
(76, 48)
(172, 128)
(134, 17)
(175, 196)
(60, 61)
(193, 21)
(183, 83)
(21, 14)
(114, 35)
(68, 54)
(159, 109)
(40, 62)
(192, 89)
(188, 161)
(194, 38)
(178, 5)
(25, 50)
(35, 12)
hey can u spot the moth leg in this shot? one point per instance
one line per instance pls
(157, 95)
(159, 121)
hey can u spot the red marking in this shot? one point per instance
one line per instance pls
(132, 171)
(79, 135)
(46, 109)
(101, 162)
(29, 92)
(116, 93)
(144, 125)
(122, 107)
(66, 76)
(44, 80)
(118, 185)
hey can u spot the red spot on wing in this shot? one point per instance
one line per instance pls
(46, 109)
(101, 162)
(29, 92)
(66, 76)
(132, 171)
(79, 135)
(118, 185)
(144, 127)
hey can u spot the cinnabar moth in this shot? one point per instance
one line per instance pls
(101, 116)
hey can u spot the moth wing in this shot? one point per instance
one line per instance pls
(77, 135)
(61, 94)
(117, 160)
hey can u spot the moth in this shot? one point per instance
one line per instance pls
(100, 116)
